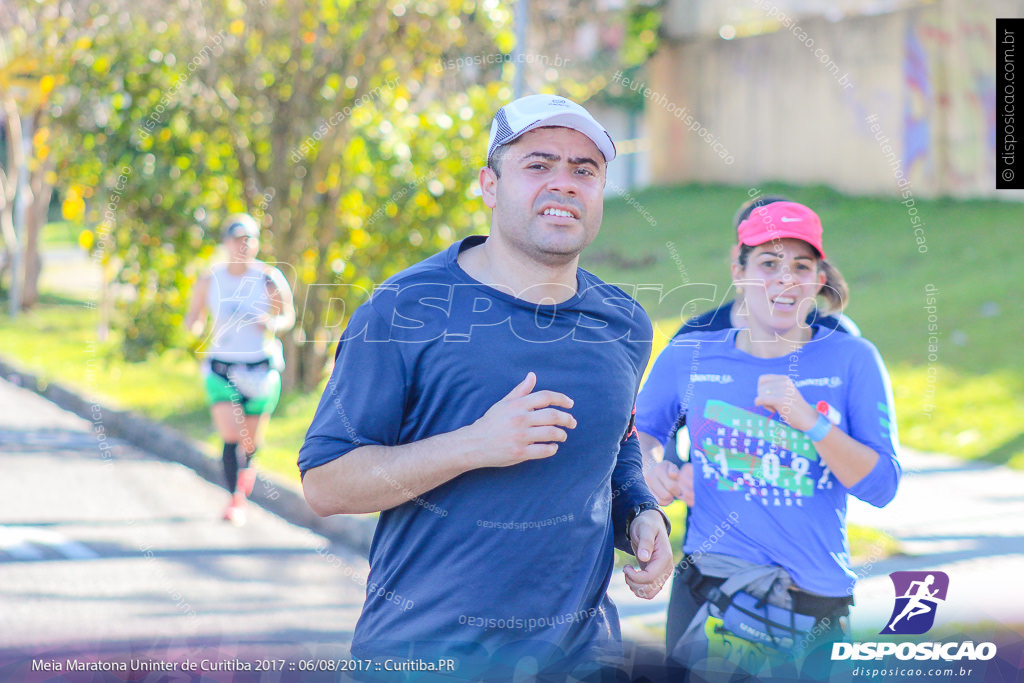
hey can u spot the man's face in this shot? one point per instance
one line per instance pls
(242, 247)
(549, 200)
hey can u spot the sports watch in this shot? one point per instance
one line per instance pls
(644, 507)
(820, 429)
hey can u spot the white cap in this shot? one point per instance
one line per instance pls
(535, 111)
(241, 225)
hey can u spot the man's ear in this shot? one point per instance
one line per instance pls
(489, 187)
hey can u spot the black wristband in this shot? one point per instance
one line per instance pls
(644, 507)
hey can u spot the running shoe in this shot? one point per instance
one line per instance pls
(235, 511)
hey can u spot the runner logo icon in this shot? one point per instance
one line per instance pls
(917, 596)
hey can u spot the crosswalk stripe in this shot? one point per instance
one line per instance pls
(22, 543)
(16, 547)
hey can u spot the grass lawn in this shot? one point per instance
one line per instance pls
(967, 398)
(60, 234)
(964, 396)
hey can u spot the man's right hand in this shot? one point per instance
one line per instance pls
(668, 482)
(524, 425)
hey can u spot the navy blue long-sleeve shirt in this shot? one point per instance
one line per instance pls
(496, 556)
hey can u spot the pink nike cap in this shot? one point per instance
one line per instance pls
(778, 220)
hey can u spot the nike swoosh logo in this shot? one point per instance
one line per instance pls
(787, 219)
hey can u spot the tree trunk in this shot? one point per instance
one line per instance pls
(314, 366)
(12, 131)
(8, 247)
(291, 361)
(304, 364)
(313, 356)
(35, 219)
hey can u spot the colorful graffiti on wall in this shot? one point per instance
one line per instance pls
(949, 114)
(917, 132)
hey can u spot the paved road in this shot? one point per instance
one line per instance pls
(964, 519)
(124, 555)
(107, 554)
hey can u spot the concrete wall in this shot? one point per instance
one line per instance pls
(631, 167)
(794, 105)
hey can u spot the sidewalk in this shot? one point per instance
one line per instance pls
(949, 515)
(274, 494)
(112, 554)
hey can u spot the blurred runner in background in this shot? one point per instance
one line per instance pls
(249, 302)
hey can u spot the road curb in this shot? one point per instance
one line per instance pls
(281, 497)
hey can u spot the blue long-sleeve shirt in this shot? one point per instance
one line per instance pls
(751, 468)
(496, 556)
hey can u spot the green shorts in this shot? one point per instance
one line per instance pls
(219, 390)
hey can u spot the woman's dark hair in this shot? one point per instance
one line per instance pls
(834, 291)
(747, 207)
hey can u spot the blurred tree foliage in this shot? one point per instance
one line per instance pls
(353, 130)
(641, 29)
(30, 69)
(327, 120)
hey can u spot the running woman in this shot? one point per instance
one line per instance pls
(249, 301)
(785, 420)
(672, 478)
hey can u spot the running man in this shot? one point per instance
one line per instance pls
(482, 400)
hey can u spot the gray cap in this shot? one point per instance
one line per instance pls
(241, 225)
(536, 111)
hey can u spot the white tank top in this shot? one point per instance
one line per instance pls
(237, 303)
